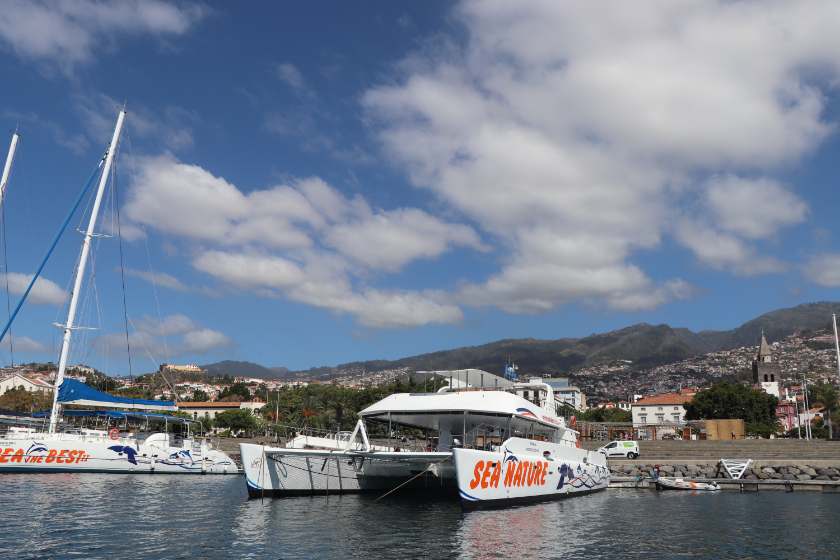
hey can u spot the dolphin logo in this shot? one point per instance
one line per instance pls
(35, 448)
(564, 474)
(508, 456)
(130, 452)
(182, 456)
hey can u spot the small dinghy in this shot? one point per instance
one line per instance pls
(680, 484)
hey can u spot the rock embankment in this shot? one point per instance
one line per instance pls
(780, 472)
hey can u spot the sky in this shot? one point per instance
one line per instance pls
(306, 184)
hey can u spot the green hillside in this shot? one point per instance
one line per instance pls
(644, 345)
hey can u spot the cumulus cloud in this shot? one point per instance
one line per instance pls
(176, 336)
(304, 240)
(159, 279)
(581, 133)
(753, 209)
(26, 345)
(70, 32)
(44, 291)
(823, 269)
(570, 137)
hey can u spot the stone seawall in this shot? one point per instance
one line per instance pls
(715, 470)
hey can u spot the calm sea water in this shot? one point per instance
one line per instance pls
(139, 517)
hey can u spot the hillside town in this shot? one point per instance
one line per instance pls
(809, 355)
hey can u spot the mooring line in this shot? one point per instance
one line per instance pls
(406, 482)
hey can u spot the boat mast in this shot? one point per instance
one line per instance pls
(9, 160)
(80, 272)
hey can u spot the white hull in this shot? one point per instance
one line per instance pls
(520, 471)
(283, 472)
(128, 453)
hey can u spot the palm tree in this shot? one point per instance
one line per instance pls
(311, 411)
(826, 397)
(340, 410)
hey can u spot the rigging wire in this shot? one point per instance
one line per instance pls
(122, 271)
(32, 240)
(148, 253)
(5, 263)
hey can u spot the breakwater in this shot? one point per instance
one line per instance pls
(716, 471)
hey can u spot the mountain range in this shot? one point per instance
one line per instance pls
(644, 345)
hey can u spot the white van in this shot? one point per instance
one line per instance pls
(629, 449)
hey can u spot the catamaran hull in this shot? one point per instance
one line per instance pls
(523, 471)
(49, 454)
(275, 472)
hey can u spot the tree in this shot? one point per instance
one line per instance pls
(200, 396)
(236, 389)
(730, 401)
(826, 397)
(236, 420)
(311, 411)
(340, 412)
(606, 415)
(20, 400)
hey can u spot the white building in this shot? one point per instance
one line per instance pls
(563, 391)
(660, 410)
(16, 381)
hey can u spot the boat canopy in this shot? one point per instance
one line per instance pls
(119, 415)
(76, 392)
(462, 411)
(474, 378)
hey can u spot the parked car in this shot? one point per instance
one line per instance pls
(629, 449)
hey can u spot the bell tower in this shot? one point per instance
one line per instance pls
(767, 374)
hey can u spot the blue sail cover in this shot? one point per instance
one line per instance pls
(75, 392)
(119, 415)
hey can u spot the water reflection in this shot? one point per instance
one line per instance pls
(149, 517)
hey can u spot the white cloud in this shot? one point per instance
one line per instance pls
(70, 32)
(291, 75)
(159, 279)
(182, 336)
(592, 128)
(753, 209)
(26, 345)
(570, 136)
(823, 269)
(171, 129)
(723, 251)
(305, 240)
(43, 291)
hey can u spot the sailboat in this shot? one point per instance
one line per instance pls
(128, 440)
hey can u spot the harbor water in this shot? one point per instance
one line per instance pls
(157, 516)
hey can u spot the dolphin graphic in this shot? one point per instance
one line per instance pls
(508, 456)
(129, 451)
(564, 473)
(36, 447)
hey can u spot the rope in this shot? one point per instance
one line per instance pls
(404, 483)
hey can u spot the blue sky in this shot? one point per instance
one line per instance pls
(308, 184)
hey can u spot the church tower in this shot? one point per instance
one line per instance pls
(766, 373)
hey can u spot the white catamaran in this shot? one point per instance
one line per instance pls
(123, 441)
(495, 446)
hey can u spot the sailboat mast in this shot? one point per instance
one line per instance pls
(836, 345)
(80, 272)
(9, 160)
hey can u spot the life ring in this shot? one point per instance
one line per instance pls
(577, 445)
(114, 433)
